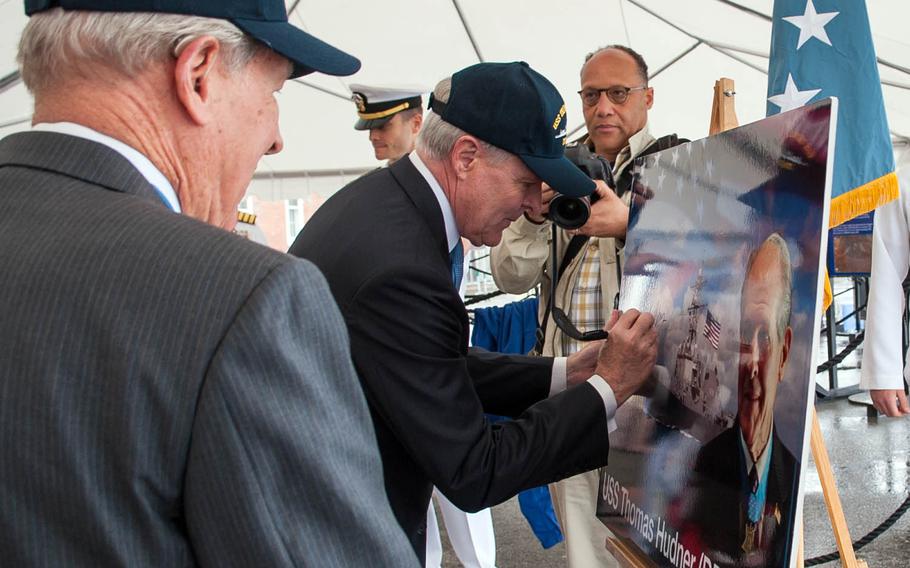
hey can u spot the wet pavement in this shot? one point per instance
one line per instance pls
(871, 462)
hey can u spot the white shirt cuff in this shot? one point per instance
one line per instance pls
(606, 393)
(558, 377)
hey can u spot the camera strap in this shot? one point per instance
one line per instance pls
(577, 243)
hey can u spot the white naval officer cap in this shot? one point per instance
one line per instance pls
(377, 105)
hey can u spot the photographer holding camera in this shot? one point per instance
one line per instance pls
(615, 99)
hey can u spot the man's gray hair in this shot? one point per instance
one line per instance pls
(437, 137)
(786, 270)
(57, 43)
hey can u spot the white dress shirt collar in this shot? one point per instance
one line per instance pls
(448, 216)
(762, 459)
(145, 166)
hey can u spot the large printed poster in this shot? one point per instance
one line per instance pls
(725, 247)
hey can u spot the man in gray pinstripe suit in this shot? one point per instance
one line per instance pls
(170, 394)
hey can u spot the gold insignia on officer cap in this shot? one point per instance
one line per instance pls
(360, 101)
(377, 105)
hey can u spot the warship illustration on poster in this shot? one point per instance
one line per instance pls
(697, 377)
(692, 384)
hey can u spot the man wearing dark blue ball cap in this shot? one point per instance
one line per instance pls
(173, 394)
(516, 109)
(390, 247)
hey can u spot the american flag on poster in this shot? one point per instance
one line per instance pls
(712, 330)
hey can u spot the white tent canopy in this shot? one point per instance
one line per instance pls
(688, 45)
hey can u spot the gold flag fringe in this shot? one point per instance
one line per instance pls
(863, 199)
(854, 203)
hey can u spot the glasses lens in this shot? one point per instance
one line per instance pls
(617, 94)
(590, 96)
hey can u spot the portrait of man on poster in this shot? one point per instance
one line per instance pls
(744, 476)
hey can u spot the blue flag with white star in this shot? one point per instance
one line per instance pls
(821, 49)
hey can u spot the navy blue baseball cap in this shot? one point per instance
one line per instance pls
(264, 20)
(513, 107)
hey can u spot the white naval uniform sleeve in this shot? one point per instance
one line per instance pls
(882, 365)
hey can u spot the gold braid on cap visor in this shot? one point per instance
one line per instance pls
(383, 113)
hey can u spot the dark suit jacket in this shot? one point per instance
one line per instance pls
(170, 394)
(381, 244)
(720, 506)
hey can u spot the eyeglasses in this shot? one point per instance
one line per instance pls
(617, 94)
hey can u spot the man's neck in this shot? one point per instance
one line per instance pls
(124, 116)
(757, 451)
(396, 158)
(607, 155)
(140, 162)
(630, 144)
(429, 168)
(439, 170)
(128, 115)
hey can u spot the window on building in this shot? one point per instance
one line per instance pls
(294, 217)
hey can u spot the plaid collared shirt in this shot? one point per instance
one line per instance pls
(586, 309)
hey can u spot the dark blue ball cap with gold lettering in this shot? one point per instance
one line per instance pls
(264, 20)
(513, 107)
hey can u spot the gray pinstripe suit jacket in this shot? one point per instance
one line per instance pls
(170, 394)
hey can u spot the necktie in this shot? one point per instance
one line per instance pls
(753, 478)
(456, 260)
(755, 498)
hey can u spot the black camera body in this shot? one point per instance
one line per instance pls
(573, 212)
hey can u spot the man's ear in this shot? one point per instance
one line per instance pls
(416, 123)
(465, 154)
(194, 75)
(649, 97)
(784, 353)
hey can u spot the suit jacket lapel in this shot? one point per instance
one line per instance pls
(77, 158)
(421, 195)
(780, 475)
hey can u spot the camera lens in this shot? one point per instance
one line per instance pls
(570, 212)
(571, 209)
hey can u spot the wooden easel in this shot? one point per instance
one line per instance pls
(627, 554)
(832, 500)
(723, 111)
(723, 117)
